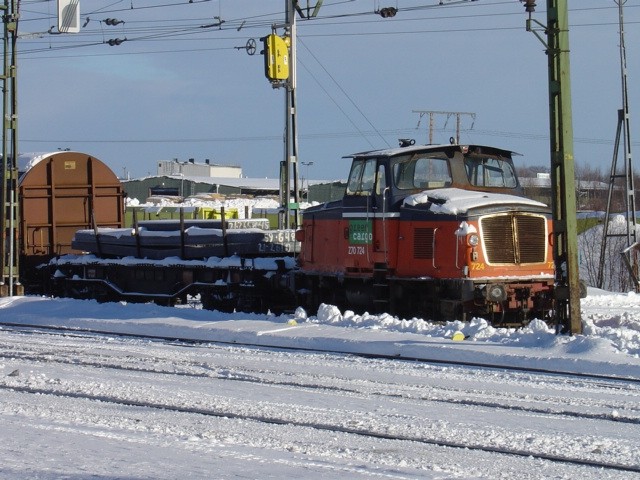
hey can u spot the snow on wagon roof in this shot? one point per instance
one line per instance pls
(454, 201)
(26, 161)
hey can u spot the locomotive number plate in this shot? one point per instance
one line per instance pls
(360, 232)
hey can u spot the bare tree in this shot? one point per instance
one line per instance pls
(592, 186)
(615, 275)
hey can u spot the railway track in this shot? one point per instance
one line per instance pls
(186, 342)
(411, 392)
(333, 428)
(438, 395)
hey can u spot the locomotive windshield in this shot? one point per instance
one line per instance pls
(422, 172)
(490, 172)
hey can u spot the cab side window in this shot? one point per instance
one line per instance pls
(362, 177)
(353, 185)
(381, 180)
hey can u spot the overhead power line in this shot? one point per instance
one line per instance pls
(347, 96)
(171, 28)
(324, 136)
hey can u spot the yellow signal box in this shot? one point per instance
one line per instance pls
(276, 57)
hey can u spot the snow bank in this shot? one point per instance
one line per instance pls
(610, 344)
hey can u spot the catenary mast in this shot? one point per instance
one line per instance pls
(9, 267)
(563, 199)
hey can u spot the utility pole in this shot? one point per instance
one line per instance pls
(629, 254)
(9, 266)
(291, 122)
(280, 69)
(433, 113)
(563, 199)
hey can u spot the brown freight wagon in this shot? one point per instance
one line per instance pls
(60, 193)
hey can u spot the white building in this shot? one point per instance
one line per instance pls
(192, 169)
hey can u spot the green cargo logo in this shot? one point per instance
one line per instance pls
(360, 232)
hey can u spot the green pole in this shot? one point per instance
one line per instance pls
(563, 198)
(562, 168)
(6, 162)
(10, 284)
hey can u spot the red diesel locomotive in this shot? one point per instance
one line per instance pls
(439, 231)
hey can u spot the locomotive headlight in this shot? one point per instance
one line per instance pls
(473, 240)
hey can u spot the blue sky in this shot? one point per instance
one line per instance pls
(177, 90)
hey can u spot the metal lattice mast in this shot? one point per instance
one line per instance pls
(624, 130)
(9, 266)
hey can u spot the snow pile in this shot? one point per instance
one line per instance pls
(610, 322)
(256, 206)
(615, 276)
(260, 203)
(615, 320)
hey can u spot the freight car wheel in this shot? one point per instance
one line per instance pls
(217, 301)
(207, 301)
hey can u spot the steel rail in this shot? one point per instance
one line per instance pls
(618, 418)
(323, 427)
(186, 342)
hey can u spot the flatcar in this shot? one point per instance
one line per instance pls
(440, 231)
(229, 264)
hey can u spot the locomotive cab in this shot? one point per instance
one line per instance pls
(388, 176)
(422, 229)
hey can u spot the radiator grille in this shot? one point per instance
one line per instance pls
(423, 243)
(514, 238)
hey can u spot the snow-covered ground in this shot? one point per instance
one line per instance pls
(103, 407)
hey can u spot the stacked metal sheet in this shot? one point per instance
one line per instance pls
(193, 239)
